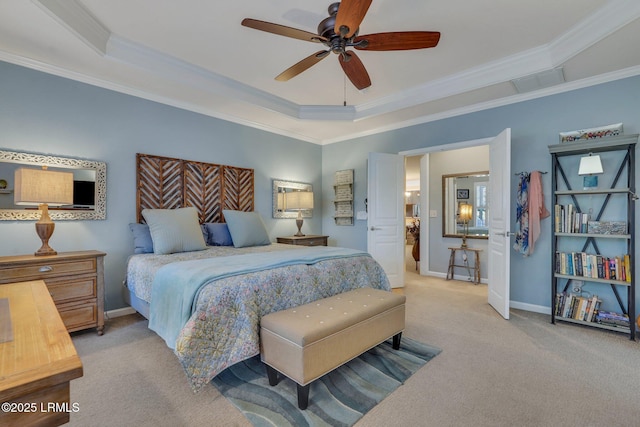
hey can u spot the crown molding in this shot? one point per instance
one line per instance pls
(79, 21)
(75, 18)
(553, 90)
(611, 17)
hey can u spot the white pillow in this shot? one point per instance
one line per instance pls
(174, 230)
(246, 228)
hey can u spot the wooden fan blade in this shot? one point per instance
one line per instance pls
(398, 40)
(282, 30)
(354, 69)
(303, 65)
(350, 15)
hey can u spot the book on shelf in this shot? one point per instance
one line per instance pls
(593, 266)
(611, 318)
(577, 307)
(569, 220)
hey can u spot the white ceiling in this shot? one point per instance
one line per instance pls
(194, 54)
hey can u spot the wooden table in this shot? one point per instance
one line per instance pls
(39, 361)
(475, 267)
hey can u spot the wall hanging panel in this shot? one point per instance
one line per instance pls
(168, 183)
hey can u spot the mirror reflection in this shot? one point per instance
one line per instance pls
(465, 205)
(89, 187)
(281, 187)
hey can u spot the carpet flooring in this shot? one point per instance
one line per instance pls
(339, 398)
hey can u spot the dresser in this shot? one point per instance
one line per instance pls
(75, 281)
(309, 240)
(38, 358)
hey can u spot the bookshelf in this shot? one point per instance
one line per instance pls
(593, 236)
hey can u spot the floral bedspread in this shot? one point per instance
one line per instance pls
(224, 326)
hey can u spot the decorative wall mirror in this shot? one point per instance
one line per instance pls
(279, 188)
(471, 188)
(90, 187)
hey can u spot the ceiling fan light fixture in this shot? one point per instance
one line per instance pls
(338, 32)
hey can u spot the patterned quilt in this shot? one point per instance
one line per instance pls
(224, 326)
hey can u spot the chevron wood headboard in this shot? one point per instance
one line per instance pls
(168, 183)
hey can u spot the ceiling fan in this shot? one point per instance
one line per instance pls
(339, 32)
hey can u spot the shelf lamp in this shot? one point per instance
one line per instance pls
(43, 187)
(466, 213)
(298, 201)
(589, 166)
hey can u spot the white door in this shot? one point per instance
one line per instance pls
(385, 225)
(499, 222)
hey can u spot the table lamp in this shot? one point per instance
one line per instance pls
(298, 200)
(43, 187)
(466, 213)
(589, 166)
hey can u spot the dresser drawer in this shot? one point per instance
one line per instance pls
(315, 242)
(75, 281)
(62, 290)
(44, 269)
(78, 316)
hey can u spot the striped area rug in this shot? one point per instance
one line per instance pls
(340, 398)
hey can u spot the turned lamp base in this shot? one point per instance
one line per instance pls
(44, 228)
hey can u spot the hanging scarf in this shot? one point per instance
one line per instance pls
(521, 244)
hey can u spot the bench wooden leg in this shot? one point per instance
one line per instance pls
(396, 341)
(303, 396)
(272, 374)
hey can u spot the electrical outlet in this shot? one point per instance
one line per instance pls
(577, 286)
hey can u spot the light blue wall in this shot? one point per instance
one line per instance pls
(45, 114)
(535, 124)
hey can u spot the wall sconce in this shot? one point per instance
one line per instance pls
(43, 187)
(589, 166)
(298, 200)
(466, 213)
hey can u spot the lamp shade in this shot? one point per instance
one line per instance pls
(280, 201)
(590, 165)
(297, 200)
(466, 212)
(37, 186)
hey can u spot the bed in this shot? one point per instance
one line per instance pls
(204, 287)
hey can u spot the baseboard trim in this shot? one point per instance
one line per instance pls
(530, 307)
(512, 304)
(119, 312)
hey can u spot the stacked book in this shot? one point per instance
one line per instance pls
(568, 220)
(573, 306)
(593, 266)
(610, 318)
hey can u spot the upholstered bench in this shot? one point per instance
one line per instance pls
(311, 340)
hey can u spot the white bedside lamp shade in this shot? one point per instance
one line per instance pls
(590, 165)
(298, 200)
(43, 187)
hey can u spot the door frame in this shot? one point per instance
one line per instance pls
(424, 183)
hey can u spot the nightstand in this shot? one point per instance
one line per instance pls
(75, 281)
(308, 240)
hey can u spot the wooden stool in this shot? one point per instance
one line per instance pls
(475, 267)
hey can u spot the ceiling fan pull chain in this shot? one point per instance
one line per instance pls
(344, 104)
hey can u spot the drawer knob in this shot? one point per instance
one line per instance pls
(45, 269)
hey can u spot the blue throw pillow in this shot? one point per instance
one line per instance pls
(218, 234)
(174, 230)
(141, 238)
(246, 228)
